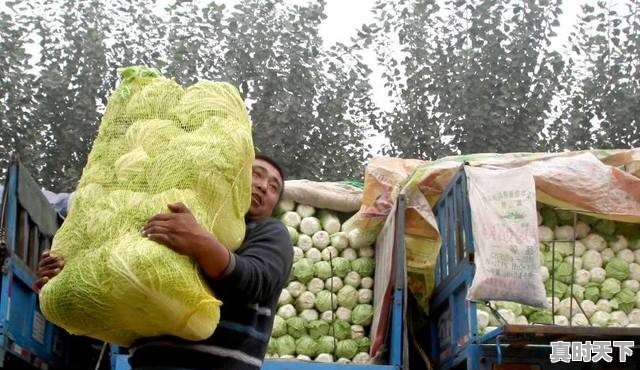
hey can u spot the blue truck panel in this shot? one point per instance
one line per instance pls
(454, 339)
(397, 358)
(25, 335)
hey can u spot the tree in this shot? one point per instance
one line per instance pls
(73, 65)
(605, 99)
(413, 128)
(309, 103)
(137, 36)
(298, 93)
(17, 133)
(344, 114)
(478, 75)
(196, 42)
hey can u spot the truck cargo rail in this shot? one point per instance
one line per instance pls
(455, 341)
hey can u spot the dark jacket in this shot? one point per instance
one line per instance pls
(249, 290)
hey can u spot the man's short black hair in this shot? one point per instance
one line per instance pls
(275, 164)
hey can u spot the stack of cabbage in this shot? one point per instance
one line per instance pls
(325, 312)
(605, 275)
(158, 143)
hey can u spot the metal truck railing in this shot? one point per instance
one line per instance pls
(27, 225)
(455, 342)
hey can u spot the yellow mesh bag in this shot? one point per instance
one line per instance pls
(158, 143)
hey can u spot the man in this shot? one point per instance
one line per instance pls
(248, 281)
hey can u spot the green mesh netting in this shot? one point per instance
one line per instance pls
(158, 143)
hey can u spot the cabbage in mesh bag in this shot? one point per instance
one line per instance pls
(158, 143)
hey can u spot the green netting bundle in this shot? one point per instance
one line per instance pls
(158, 143)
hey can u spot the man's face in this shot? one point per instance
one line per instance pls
(265, 189)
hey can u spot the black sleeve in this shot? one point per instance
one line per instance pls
(260, 268)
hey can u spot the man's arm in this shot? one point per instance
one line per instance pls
(261, 268)
(256, 272)
(180, 231)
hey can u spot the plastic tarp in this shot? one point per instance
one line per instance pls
(597, 182)
(336, 196)
(59, 201)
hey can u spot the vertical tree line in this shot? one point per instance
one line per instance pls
(460, 77)
(482, 76)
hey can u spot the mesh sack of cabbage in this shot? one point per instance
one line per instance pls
(325, 312)
(595, 261)
(157, 144)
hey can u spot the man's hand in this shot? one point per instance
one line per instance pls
(48, 268)
(178, 230)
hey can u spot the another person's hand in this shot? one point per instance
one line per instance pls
(48, 268)
(178, 230)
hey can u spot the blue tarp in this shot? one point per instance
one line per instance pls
(59, 201)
